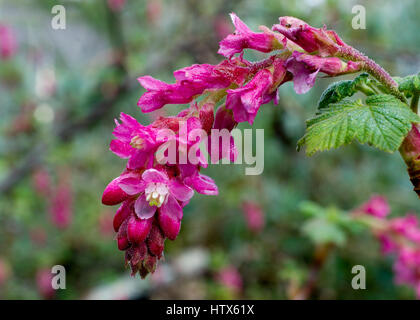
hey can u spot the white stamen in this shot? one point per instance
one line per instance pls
(156, 193)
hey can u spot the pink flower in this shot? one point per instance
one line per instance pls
(159, 93)
(305, 68)
(230, 278)
(245, 38)
(377, 206)
(254, 216)
(41, 182)
(134, 141)
(246, 101)
(204, 76)
(190, 81)
(192, 177)
(8, 44)
(321, 41)
(156, 192)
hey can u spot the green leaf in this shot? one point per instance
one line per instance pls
(409, 84)
(382, 121)
(322, 231)
(337, 91)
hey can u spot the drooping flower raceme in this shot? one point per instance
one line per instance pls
(152, 193)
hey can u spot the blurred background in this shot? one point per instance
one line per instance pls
(59, 93)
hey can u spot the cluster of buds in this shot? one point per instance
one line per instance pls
(219, 96)
(400, 237)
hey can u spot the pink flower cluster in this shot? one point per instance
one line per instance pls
(399, 236)
(152, 195)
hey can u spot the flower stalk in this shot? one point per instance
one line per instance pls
(370, 66)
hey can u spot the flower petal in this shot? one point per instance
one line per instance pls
(171, 207)
(153, 175)
(121, 149)
(169, 224)
(138, 229)
(122, 213)
(180, 191)
(204, 184)
(132, 185)
(113, 193)
(143, 209)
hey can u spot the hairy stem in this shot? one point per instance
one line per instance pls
(370, 66)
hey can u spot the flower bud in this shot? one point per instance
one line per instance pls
(170, 224)
(149, 263)
(122, 213)
(138, 229)
(113, 194)
(321, 41)
(224, 119)
(207, 116)
(135, 254)
(123, 243)
(155, 241)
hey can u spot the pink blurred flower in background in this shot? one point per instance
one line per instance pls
(254, 216)
(43, 281)
(407, 269)
(153, 10)
(61, 210)
(376, 206)
(116, 5)
(8, 43)
(41, 182)
(230, 277)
